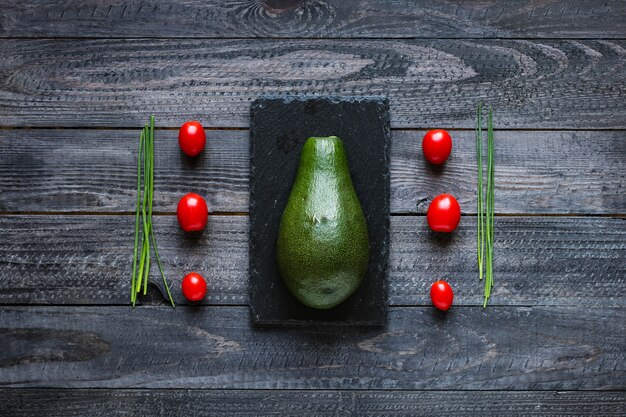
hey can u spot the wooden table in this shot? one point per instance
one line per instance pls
(79, 78)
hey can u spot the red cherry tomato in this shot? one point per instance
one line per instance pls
(444, 213)
(191, 138)
(437, 145)
(192, 213)
(194, 286)
(441, 295)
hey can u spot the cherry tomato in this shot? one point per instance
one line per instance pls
(441, 295)
(444, 213)
(437, 145)
(192, 213)
(191, 138)
(194, 286)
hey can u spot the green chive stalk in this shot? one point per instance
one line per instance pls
(488, 219)
(150, 192)
(145, 201)
(158, 259)
(490, 193)
(134, 277)
(486, 205)
(154, 244)
(146, 219)
(480, 250)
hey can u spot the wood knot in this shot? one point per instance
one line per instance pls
(278, 6)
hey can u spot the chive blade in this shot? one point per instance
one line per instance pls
(489, 213)
(136, 245)
(145, 206)
(486, 204)
(145, 268)
(493, 186)
(150, 204)
(489, 208)
(151, 158)
(487, 226)
(158, 259)
(142, 262)
(480, 241)
(143, 214)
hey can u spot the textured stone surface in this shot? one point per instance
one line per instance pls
(279, 127)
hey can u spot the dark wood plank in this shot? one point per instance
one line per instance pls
(430, 83)
(96, 170)
(537, 172)
(259, 403)
(509, 348)
(538, 260)
(313, 19)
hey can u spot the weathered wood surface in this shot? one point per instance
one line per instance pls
(430, 83)
(540, 172)
(96, 170)
(554, 72)
(28, 402)
(539, 260)
(522, 348)
(313, 18)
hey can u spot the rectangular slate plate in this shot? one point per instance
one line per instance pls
(279, 127)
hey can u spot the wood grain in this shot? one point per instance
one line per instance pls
(539, 172)
(430, 83)
(540, 348)
(538, 260)
(554, 72)
(260, 403)
(313, 18)
(96, 171)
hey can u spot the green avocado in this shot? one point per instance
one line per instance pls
(323, 246)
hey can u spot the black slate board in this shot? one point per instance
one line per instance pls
(279, 127)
